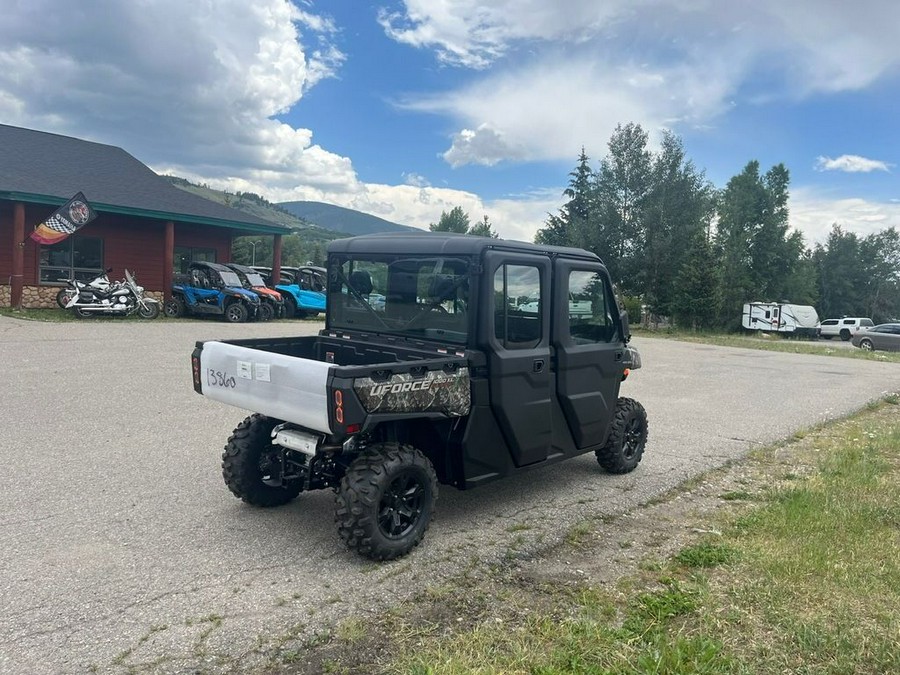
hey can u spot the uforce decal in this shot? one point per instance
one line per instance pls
(436, 391)
(379, 389)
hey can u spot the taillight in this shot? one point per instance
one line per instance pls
(195, 369)
(338, 406)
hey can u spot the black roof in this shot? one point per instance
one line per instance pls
(45, 168)
(218, 267)
(445, 243)
(246, 269)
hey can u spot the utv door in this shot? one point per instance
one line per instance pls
(516, 308)
(589, 349)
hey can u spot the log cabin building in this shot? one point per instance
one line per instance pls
(143, 223)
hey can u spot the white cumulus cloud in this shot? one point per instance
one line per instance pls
(851, 164)
(554, 79)
(193, 87)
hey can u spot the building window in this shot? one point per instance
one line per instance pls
(517, 306)
(185, 255)
(75, 257)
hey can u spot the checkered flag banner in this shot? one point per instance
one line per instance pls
(71, 216)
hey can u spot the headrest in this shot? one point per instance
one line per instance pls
(361, 282)
(442, 287)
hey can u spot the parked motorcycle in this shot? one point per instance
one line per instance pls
(121, 298)
(100, 283)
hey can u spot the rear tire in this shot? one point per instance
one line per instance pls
(290, 307)
(250, 467)
(386, 501)
(627, 438)
(63, 297)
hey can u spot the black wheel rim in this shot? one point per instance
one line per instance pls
(234, 313)
(401, 505)
(633, 435)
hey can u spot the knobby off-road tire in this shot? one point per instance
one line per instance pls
(250, 464)
(627, 437)
(236, 312)
(265, 312)
(174, 308)
(386, 501)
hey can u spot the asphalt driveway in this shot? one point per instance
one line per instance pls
(121, 547)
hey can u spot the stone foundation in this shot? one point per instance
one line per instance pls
(44, 297)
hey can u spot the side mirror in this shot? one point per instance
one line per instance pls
(626, 330)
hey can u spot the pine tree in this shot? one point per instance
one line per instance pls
(483, 229)
(455, 221)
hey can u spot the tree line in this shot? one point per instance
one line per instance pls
(684, 249)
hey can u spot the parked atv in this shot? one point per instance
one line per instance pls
(211, 288)
(303, 290)
(450, 382)
(271, 303)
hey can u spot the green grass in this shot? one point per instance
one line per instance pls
(806, 579)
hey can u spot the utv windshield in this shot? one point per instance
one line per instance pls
(230, 279)
(414, 296)
(255, 279)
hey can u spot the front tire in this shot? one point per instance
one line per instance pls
(867, 344)
(265, 312)
(236, 312)
(251, 466)
(386, 501)
(627, 438)
(174, 308)
(149, 310)
(845, 334)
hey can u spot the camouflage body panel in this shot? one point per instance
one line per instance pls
(436, 391)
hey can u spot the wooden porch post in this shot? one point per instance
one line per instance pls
(276, 260)
(18, 256)
(168, 259)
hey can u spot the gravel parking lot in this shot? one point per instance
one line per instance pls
(122, 549)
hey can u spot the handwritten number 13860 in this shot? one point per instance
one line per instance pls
(216, 378)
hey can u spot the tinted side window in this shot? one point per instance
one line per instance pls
(590, 317)
(518, 310)
(830, 322)
(848, 322)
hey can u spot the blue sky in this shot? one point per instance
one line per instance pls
(406, 108)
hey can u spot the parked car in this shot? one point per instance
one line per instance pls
(211, 288)
(884, 336)
(844, 328)
(271, 304)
